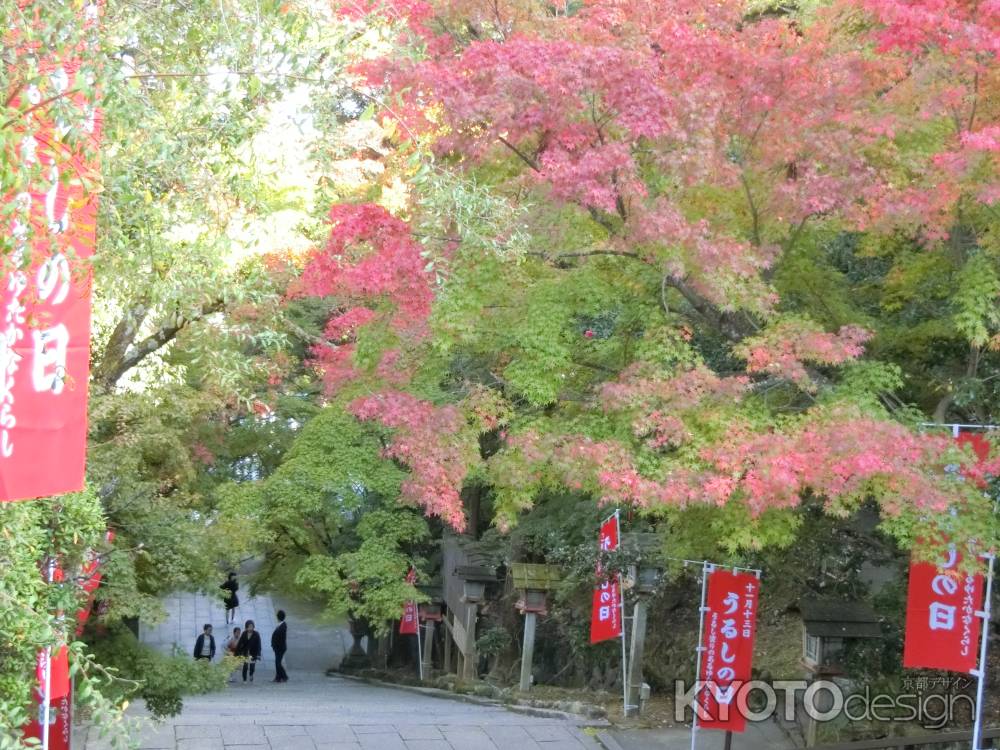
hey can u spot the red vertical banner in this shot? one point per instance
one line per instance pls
(942, 628)
(91, 575)
(60, 723)
(45, 290)
(729, 628)
(61, 730)
(606, 616)
(58, 662)
(409, 624)
(942, 625)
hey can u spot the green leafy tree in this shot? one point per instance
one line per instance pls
(188, 329)
(328, 522)
(33, 533)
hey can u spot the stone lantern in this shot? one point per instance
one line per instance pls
(474, 579)
(533, 582)
(828, 626)
(646, 576)
(430, 614)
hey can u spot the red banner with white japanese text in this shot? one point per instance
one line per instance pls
(606, 617)
(45, 285)
(729, 628)
(60, 722)
(942, 628)
(409, 624)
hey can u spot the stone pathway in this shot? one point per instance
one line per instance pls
(188, 613)
(315, 712)
(765, 735)
(320, 713)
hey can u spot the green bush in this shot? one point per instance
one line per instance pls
(163, 680)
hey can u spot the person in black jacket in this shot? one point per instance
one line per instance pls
(204, 646)
(279, 642)
(249, 648)
(231, 601)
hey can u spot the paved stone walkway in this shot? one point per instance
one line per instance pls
(188, 613)
(320, 713)
(764, 735)
(315, 712)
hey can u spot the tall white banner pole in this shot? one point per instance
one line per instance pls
(621, 617)
(984, 637)
(706, 568)
(49, 575)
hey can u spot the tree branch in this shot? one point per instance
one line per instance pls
(526, 159)
(731, 326)
(121, 339)
(754, 213)
(709, 312)
(43, 103)
(113, 370)
(304, 335)
(588, 253)
(975, 100)
(595, 214)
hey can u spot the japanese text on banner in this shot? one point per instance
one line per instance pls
(942, 628)
(408, 624)
(45, 287)
(730, 624)
(606, 617)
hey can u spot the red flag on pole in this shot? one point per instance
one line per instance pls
(942, 629)
(729, 628)
(606, 616)
(408, 625)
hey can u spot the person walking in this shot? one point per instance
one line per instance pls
(249, 648)
(231, 600)
(231, 645)
(204, 646)
(279, 643)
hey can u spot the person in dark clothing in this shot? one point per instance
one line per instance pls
(231, 600)
(249, 648)
(279, 643)
(204, 647)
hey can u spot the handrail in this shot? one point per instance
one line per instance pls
(909, 741)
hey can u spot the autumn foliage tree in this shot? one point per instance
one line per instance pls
(650, 173)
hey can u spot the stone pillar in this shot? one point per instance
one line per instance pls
(528, 651)
(635, 658)
(449, 636)
(470, 663)
(357, 657)
(428, 645)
